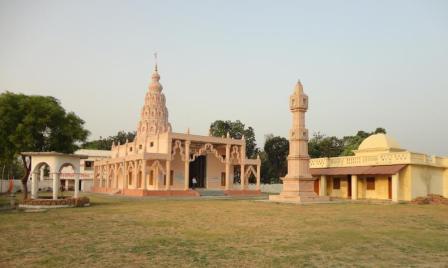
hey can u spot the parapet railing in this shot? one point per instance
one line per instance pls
(382, 159)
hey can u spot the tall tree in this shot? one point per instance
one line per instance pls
(36, 123)
(106, 143)
(274, 158)
(237, 130)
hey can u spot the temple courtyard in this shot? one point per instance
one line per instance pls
(194, 232)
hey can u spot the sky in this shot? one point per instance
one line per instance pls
(363, 64)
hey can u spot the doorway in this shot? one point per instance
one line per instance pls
(316, 186)
(198, 170)
(389, 186)
(349, 186)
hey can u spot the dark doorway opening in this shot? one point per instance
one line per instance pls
(198, 170)
(349, 185)
(316, 186)
(389, 187)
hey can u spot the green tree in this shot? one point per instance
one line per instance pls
(36, 123)
(236, 130)
(106, 143)
(322, 146)
(274, 158)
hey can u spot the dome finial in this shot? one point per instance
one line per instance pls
(155, 60)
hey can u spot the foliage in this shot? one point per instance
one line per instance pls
(274, 162)
(236, 130)
(322, 146)
(106, 144)
(36, 123)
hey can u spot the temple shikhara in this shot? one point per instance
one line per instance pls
(162, 162)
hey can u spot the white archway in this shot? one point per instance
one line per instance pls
(56, 162)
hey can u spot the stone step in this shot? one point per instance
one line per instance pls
(205, 192)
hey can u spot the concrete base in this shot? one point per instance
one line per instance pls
(298, 190)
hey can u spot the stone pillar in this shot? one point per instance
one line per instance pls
(323, 185)
(227, 186)
(66, 184)
(55, 186)
(34, 185)
(395, 186)
(125, 176)
(144, 179)
(42, 173)
(168, 174)
(101, 176)
(187, 166)
(298, 184)
(135, 175)
(243, 177)
(76, 185)
(258, 177)
(354, 187)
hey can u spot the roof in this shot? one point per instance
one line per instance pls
(80, 156)
(367, 170)
(379, 141)
(98, 153)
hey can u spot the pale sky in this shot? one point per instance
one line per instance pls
(364, 64)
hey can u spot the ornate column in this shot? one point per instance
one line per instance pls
(354, 187)
(258, 176)
(55, 185)
(168, 174)
(298, 184)
(34, 185)
(187, 166)
(395, 186)
(227, 186)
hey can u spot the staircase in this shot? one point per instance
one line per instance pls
(206, 192)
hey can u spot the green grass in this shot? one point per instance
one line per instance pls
(117, 232)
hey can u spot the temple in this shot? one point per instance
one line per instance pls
(160, 162)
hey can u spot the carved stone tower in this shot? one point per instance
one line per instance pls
(154, 114)
(298, 184)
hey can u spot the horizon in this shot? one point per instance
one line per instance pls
(363, 66)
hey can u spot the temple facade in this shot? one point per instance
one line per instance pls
(161, 162)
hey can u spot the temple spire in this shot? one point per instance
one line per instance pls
(155, 60)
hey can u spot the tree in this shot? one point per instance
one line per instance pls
(274, 158)
(36, 123)
(236, 130)
(106, 144)
(322, 146)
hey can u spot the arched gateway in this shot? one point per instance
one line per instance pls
(54, 162)
(162, 162)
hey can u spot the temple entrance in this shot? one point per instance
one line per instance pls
(198, 170)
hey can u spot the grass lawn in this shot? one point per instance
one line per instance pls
(117, 232)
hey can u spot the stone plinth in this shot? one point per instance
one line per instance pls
(298, 190)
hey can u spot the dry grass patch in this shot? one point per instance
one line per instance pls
(116, 232)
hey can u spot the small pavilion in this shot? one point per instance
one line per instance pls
(56, 162)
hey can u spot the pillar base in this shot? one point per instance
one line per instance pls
(298, 190)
